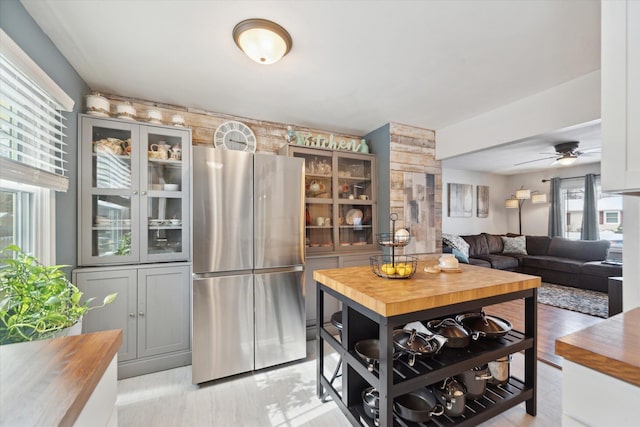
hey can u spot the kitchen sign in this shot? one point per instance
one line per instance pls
(307, 139)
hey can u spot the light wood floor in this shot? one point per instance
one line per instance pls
(285, 396)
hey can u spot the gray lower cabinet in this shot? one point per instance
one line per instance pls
(152, 309)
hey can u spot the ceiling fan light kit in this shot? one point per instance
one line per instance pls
(567, 159)
(263, 41)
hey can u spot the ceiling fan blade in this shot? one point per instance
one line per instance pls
(537, 160)
(590, 150)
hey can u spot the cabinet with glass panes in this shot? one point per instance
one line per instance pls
(133, 195)
(340, 199)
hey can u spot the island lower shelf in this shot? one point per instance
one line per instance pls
(393, 378)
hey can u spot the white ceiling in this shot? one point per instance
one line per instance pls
(354, 66)
(502, 159)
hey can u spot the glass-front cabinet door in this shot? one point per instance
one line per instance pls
(165, 209)
(356, 197)
(318, 182)
(133, 192)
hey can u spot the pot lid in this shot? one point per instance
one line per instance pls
(448, 328)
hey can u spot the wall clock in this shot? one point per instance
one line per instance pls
(234, 135)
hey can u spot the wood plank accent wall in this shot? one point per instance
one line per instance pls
(413, 149)
(270, 136)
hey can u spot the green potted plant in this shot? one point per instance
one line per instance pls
(37, 301)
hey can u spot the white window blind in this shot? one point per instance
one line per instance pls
(32, 148)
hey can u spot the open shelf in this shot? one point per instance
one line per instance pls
(495, 400)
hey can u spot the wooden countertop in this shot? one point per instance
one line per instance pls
(48, 382)
(390, 297)
(611, 346)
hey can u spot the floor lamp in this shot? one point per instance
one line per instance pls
(516, 202)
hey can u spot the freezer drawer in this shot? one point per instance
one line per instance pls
(223, 332)
(280, 318)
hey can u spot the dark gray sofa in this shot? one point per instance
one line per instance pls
(576, 263)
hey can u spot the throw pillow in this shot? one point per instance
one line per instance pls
(514, 245)
(460, 256)
(456, 242)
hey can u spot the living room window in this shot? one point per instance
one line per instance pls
(609, 209)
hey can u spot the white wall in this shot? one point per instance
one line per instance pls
(535, 218)
(568, 104)
(495, 222)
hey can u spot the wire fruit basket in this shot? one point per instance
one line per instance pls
(394, 266)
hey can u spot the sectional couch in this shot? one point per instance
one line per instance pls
(576, 263)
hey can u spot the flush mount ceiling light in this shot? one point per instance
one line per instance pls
(263, 41)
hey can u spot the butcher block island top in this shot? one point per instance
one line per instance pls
(391, 297)
(48, 382)
(611, 347)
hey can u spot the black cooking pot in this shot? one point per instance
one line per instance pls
(485, 325)
(417, 406)
(371, 404)
(457, 335)
(416, 344)
(475, 381)
(452, 395)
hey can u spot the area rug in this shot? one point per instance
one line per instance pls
(580, 300)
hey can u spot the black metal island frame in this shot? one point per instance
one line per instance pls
(373, 307)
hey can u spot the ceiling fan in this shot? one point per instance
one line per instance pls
(566, 154)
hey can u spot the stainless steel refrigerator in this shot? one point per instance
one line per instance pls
(248, 246)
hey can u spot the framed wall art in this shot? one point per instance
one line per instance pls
(482, 197)
(460, 201)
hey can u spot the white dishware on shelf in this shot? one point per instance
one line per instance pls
(171, 187)
(98, 105)
(177, 120)
(154, 116)
(126, 111)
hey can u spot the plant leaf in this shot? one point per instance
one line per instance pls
(109, 298)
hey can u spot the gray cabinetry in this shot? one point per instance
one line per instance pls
(331, 305)
(152, 309)
(134, 184)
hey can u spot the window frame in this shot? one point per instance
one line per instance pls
(42, 217)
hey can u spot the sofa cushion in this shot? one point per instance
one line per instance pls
(538, 245)
(500, 262)
(479, 262)
(514, 245)
(477, 244)
(494, 242)
(460, 256)
(597, 268)
(546, 262)
(586, 250)
(517, 257)
(456, 242)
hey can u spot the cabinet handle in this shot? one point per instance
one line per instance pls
(144, 193)
(141, 314)
(135, 192)
(132, 315)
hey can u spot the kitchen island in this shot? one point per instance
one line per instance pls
(67, 381)
(372, 307)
